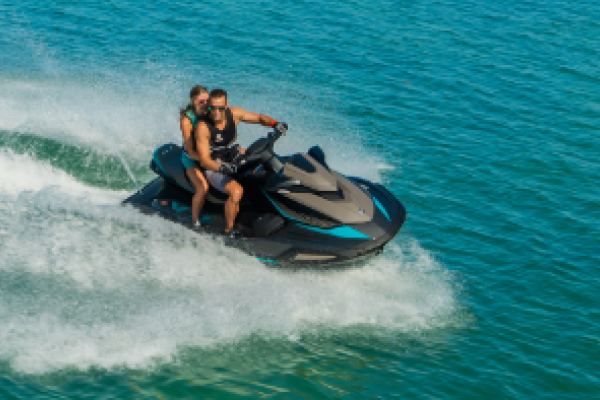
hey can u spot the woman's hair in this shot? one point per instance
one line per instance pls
(196, 90)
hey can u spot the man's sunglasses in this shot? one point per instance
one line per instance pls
(216, 108)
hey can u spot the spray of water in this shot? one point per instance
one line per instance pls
(86, 282)
(126, 166)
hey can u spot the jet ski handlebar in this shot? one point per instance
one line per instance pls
(276, 134)
(261, 152)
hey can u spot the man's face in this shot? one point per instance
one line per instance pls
(217, 105)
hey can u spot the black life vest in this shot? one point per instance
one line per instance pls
(223, 141)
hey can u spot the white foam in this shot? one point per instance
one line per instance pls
(215, 304)
(87, 282)
(21, 173)
(90, 116)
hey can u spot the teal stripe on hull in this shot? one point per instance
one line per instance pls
(345, 232)
(381, 208)
(267, 260)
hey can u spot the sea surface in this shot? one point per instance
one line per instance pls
(482, 117)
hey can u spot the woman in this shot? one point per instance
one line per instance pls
(190, 116)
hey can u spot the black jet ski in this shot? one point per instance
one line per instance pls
(295, 210)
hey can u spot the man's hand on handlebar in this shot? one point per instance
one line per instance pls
(240, 160)
(228, 168)
(281, 127)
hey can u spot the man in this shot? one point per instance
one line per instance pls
(216, 143)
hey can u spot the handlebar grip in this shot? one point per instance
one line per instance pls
(276, 135)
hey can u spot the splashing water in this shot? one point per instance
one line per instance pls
(86, 282)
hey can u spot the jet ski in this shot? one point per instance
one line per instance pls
(295, 211)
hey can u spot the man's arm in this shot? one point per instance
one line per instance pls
(203, 146)
(251, 118)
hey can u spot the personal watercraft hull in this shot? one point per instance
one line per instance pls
(275, 232)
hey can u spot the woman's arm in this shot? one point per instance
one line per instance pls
(188, 138)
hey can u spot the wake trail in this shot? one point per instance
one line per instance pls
(86, 282)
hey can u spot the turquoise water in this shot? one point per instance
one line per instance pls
(481, 118)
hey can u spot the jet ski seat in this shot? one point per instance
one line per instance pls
(166, 162)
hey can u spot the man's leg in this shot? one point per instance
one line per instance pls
(201, 186)
(232, 206)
